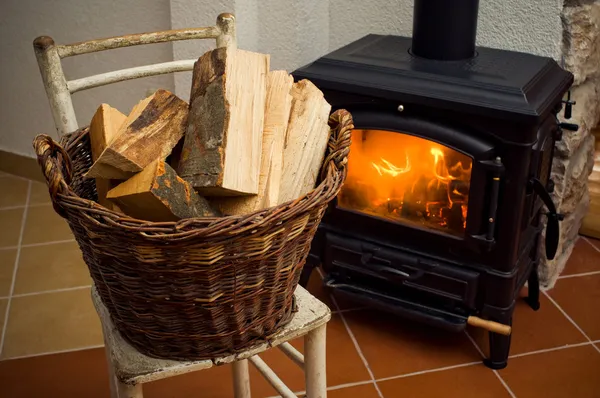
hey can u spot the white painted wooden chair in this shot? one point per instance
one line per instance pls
(128, 367)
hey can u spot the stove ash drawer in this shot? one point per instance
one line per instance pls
(364, 262)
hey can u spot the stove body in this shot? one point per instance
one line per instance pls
(442, 213)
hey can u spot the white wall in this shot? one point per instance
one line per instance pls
(521, 25)
(24, 110)
(294, 32)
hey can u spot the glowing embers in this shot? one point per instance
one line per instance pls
(402, 177)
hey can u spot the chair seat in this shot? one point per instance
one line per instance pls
(133, 367)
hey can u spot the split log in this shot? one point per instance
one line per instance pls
(104, 127)
(222, 148)
(277, 113)
(150, 132)
(306, 140)
(158, 194)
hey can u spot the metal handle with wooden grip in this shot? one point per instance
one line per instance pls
(490, 326)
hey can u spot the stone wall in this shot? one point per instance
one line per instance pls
(574, 154)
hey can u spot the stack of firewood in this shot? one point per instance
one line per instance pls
(249, 139)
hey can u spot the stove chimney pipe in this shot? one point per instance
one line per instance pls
(445, 30)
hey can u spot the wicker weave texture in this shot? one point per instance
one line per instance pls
(197, 288)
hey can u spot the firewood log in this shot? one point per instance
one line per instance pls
(150, 132)
(305, 142)
(277, 113)
(104, 127)
(223, 142)
(158, 194)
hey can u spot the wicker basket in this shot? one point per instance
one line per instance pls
(197, 288)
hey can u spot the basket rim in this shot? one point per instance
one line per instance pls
(55, 163)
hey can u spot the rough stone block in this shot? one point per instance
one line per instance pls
(581, 38)
(570, 176)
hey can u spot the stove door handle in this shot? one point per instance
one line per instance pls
(396, 272)
(552, 227)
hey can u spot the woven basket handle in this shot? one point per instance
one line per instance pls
(341, 125)
(56, 166)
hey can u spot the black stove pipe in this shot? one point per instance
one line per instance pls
(445, 29)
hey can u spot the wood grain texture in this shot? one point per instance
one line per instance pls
(305, 142)
(104, 127)
(150, 132)
(223, 142)
(159, 194)
(277, 113)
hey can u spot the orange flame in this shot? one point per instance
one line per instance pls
(391, 169)
(430, 189)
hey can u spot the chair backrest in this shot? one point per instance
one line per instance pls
(59, 89)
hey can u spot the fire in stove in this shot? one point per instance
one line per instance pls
(405, 178)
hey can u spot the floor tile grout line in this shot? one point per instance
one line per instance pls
(7, 174)
(579, 275)
(570, 319)
(24, 206)
(66, 289)
(502, 381)
(542, 351)
(91, 347)
(336, 387)
(422, 372)
(53, 242)
(352, 337)
(585, 238)
(14, 274)
(356, 346)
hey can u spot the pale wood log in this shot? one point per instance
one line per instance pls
(104, 127)
(222, 149)
(159, 194)
(306, 140)
(241, 379)
(277, 113)
(150, 132)
(315, 371)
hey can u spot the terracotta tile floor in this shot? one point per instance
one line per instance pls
(51, 343)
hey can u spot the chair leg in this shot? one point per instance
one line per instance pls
(314, 363)
(126, 390)
(117, 388)
(241, 379)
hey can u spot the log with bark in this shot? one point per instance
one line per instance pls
(158, 194)
(222, 149)
(150, 132)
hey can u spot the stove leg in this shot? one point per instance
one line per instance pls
(499, 349)
(533, 295)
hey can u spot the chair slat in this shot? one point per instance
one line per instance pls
(85, 47)
(128, 74)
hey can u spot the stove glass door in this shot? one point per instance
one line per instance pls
(407, 179)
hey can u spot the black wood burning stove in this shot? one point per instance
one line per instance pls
(448, 186)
